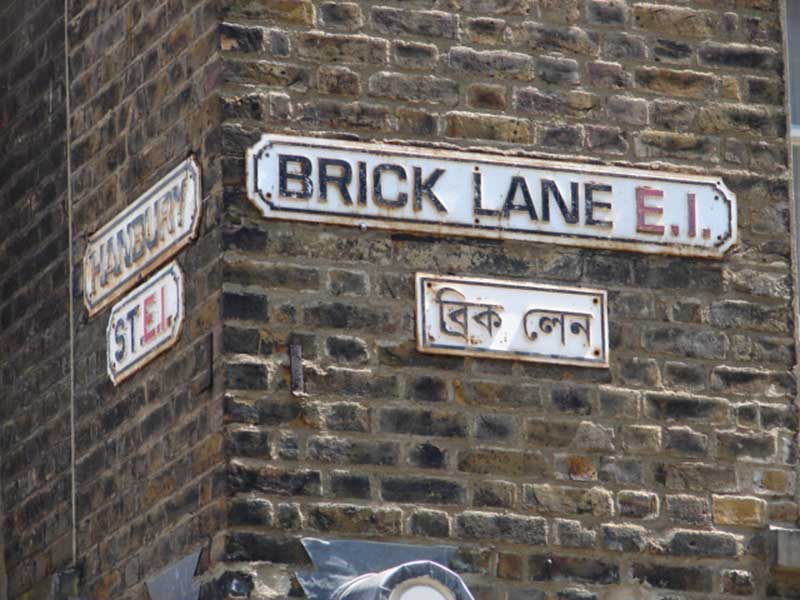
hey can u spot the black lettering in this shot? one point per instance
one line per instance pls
(548, 187)
(362, 183)
(477, 198)
(304, 177)
(426, 187)
(508, 205)
(341, 181)
(119, 354)
(136, 239)
(131, 316)
(591, 204)
(377, 192)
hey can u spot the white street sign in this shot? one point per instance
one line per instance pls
(143, 236)
(145, 323)
(446, 192)
(518, 320)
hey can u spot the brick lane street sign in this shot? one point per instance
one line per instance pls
(519, 320)
(444, 192)
(145, 323)
(142, 237)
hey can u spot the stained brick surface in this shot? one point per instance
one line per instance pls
(654, 478)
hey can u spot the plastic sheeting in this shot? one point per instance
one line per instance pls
(176, 582)
(338, 562)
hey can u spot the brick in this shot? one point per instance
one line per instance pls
(690, 579)
(606, 12)
(739, 56)
(350, 382)
(421, 490)
(484, 30)
(739, 511)
(674, 52)
(289, 11)
(608, 75)
(494, 494)
(545, 432)
(548, 38)
(633, 111)
(415, 55)
(347, 349)
(247, 546)
(737, 582)
(502, 462)
(674, 20)
(349, 485)
(331, 113)
(685, 442)
(341, 15)
(338, 450)
(637, 505)
(333, 48)
(244, 306)
(624, 538)
(595, 501)
(572, 400)
(429, 523)
(242, 38)
(415, 22)
(414, 88)
(688, 510)
(594, 437)
(429, 389)
(733, 445)
(702, 544)
(752, 382)
(510, 566)
(246, 376)
(606, 139)
(422, 422)
(571, 534)
(575, 467)
(495, 427)
(250, 511)
(338, 81)
(491, 63)
(487, 127)
(641, 438)
(418, 122)
(558, 71)
(687, 343)
(572, 569)
(493, 97)
(623, 46)
(695, 477)
(348, 518)
(274, 480)
(427, 456)
(491, 526)
(692, 84)
(678, 407)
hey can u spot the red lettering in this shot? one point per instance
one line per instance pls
(643, 210)
(149, 318)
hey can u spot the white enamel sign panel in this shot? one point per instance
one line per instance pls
(143, 236)
(519, 320)
(487, 195)
(145, 323)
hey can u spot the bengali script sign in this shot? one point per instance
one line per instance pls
(519, 320)
(142, 237)
(446, 192)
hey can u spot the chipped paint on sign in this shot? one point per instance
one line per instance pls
(423, 190)
(143, 236)
(518, 320)
(145, 323)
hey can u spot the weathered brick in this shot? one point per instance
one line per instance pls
(347, 349)
(737, 582)
(422, 422)
(693, 84)
(350, 485)
(491, 63)
(348, 518)
(558, 70)
(493, 97)
(494, 494)
(739, 511)
(341, 15)
(484, 30)
(333, 48)
(338, 450)
(487, 127)
(502, 462)
(547, 38)
(675, 20)
(595, 501)
(416, 88)
(606, 12)
(688, 343)
(566, 568)
(637, 505)
(739, 56)
(421, 490)
(415, 55)
(688, 510)
(572, 534)
(690, 579)
(338, 81)
(685, 441)
(429, 523)
(427, 456)
(733, 445)
(701, 544)
(492, 526)
(415, 22)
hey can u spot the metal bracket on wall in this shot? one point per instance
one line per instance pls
(296, 366)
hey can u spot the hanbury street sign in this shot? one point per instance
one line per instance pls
(145, 323)
(519, 320)
(444, 192)
(142, 237)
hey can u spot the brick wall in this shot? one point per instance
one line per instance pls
(148, 483)
(34, 359)
(554, 482)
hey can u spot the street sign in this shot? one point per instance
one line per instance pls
(145, 323)
(143, 236)
(447, 192)
(518, 320)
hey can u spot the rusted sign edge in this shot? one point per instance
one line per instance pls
(175, 271)
(267, 208)
(420, 278)
(161, 257)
